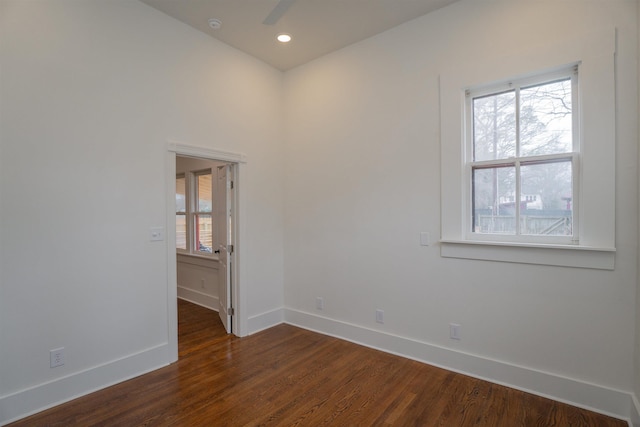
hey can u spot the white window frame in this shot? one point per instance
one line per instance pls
(191, 195)
(570, 72)
(195, 213)
(595, 54)
(186, 213)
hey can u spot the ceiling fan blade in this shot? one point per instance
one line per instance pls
(278, 12)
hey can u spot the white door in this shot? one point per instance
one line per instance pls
(224, 230)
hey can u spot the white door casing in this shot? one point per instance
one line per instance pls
(238, 291)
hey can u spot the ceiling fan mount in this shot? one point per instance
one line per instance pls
(278, 12)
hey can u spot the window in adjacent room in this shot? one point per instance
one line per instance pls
(524, 152)
(181, 212)
(194, 205)
(202, 219)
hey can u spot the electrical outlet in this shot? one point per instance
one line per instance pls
(320, 303)
(454, 331)
(380, 316)
(56, 357)
(202, 283)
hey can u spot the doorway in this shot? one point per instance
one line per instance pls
(204, 220)
(234, 302)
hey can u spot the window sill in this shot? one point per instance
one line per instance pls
(196, 259)
(540, 254)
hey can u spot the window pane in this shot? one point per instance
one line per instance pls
(181, 232)
(181, 205)
(204, 234)
(547, 207)
(545, 119)
(494, 126)
(204, 193)
(494, 200)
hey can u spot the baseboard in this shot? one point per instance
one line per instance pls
(596, 398)
(200, 298)
(265, 320)
(44, 396)
(634, 418)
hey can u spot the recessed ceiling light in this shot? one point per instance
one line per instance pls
(215, 23)
(283, 38)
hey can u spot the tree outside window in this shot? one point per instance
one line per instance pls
(524, 158)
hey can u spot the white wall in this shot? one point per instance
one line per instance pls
(92, 91)
(363, 180)
(198, 280)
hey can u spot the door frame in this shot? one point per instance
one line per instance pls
(238, 292)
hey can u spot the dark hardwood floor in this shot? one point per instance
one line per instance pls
(289, 376)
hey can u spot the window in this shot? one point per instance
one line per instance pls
(528, 158)
(181, 213)
(194, 205)
(523, 156)
(202, 221)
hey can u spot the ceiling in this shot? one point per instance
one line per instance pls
(317, 26)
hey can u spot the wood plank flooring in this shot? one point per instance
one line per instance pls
(286, 376)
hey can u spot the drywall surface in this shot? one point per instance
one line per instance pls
(363, 181)
(91, 94)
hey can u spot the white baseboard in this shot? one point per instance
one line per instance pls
(265, 320)
(200, 298)
(44, 396)
(634, 419)
(593, 397)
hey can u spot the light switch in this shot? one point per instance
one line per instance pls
(424, 238)
(156, 234)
